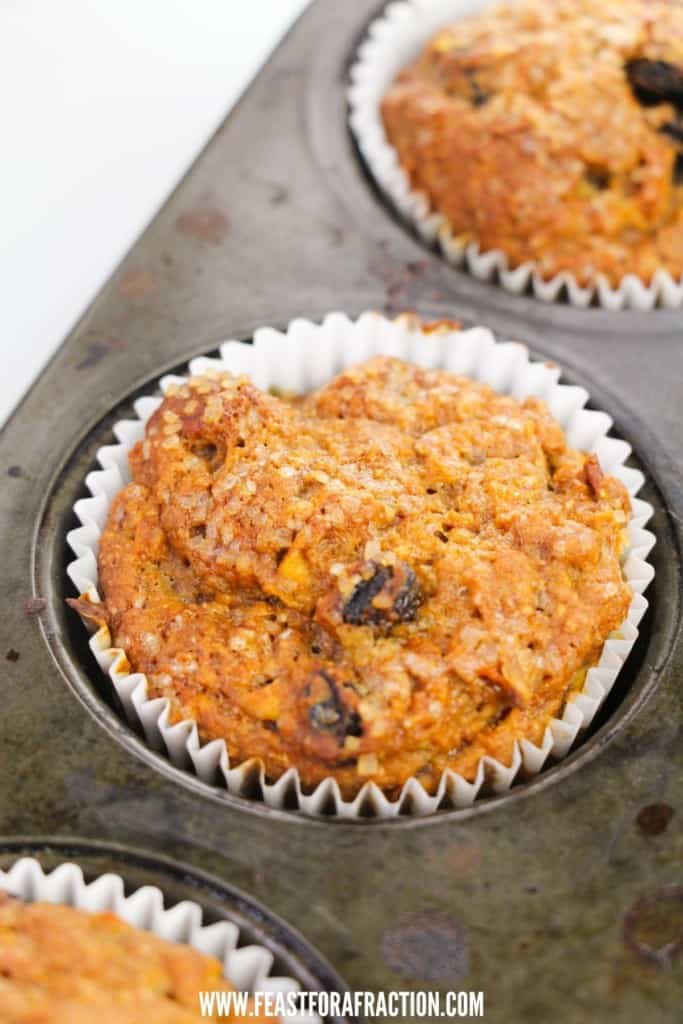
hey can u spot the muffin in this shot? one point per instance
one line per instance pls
(68, 966)
(553, 132)
(394, 575)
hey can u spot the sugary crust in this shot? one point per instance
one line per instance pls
(59, 965)
(522, 126)
(395, 575)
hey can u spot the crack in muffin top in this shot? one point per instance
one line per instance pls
(391, 576)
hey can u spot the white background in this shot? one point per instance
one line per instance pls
(104, 104)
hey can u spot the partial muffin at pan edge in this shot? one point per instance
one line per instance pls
(547, 134)
(71, 950)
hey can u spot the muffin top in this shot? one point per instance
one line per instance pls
(394, 575)
(553, 131)
(68, 966)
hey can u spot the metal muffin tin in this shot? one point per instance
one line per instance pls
(561, 899)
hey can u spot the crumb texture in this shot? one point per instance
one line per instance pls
(553, 131)
(59, 965)
(394, 575)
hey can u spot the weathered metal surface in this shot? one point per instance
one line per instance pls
(559, 900)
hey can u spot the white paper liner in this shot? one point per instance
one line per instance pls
(303, 359)
(393, 41)
(246, 967)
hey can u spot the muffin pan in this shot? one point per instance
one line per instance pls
(277, 220)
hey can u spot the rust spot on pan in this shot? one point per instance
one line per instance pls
(136, 283)
(653, 927)
(653, 819)
(204, 223)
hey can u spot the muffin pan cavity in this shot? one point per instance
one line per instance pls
(259, 951)
(391, 43)
(117, 706)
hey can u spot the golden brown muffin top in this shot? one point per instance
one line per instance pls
(397, 574)
(60, 965)
(553, 130)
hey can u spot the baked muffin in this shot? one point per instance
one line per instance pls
(66, 966)
(394, 575)
(553, 130)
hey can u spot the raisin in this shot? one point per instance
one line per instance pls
(478, 96)
(655, 81)
(674, 129)
(330, 714)
(598, 178)
(400, 596)
(678, 170)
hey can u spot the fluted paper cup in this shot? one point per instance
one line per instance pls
(304, 358)
(246, 967)
(394, 40)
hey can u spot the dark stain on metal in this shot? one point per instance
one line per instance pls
(653, 927)
(137, 283)
(334, 233)
(279, 194)
(653, 819)
(15, 471)
(204, 223)
(35, 605)
(399, 279)
(97, 350)
(12, 655)
(429, 946)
